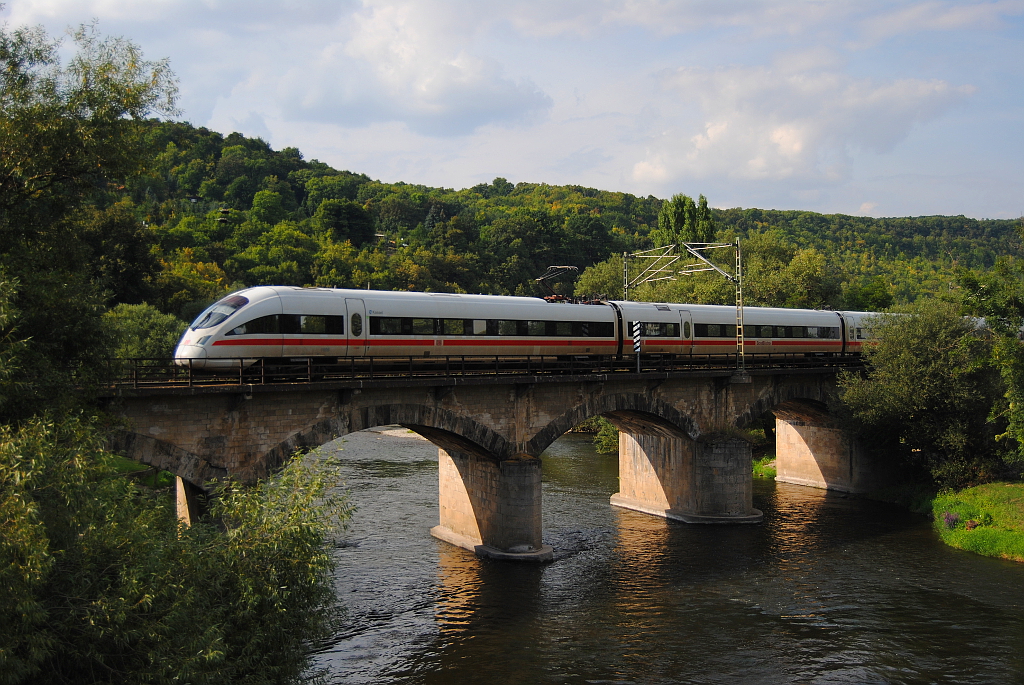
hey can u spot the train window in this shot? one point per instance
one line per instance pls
(454, 326)
(580, 329)
(289, 324)
(334, 325)
(764, 331)
(219, 311)
(313, 324)
(262, 325)
(686, 329)
(823, 332)
(536, 328)
(423, 327)
(563, 328)
(660, 330)
(601, 329)
(718, 330)
(479, 327)
(506, 327)
(385, 325)
(782, 332)
(860, 334)
(798, 331)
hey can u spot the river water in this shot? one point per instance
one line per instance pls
(828, 589)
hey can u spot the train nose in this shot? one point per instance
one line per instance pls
(190, 355)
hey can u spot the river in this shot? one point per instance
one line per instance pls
(828, 589)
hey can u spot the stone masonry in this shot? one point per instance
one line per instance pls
(676, 458)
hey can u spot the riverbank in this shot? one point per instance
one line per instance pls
(987, 519)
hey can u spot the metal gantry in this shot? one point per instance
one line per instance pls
(660, 269)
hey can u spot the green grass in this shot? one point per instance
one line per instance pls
(159, 479)
(765, 467)
(987, 519)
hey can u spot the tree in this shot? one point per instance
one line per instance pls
(68, 130)
(704, 223)
(267, 207)
(99, 583)
(282, 256)
(999, 297)
(927, 395)
(342, 220)
(682, 221)
(604, 278)
(121, 260)
(141, 330)
(811, 284)
(587, 235)
(69, 133)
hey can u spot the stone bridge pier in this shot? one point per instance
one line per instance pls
(811, 449)
(679, 454)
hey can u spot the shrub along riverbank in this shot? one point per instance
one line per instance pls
(986, 519)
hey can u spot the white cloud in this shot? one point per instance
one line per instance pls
(766, 102)
(939, 16)
(770, 124)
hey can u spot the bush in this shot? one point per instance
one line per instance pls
(101, 584)
(607, 439)
(141, 330)
(927, 397)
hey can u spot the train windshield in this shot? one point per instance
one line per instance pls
(217, 312)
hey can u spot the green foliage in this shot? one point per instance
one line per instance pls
(70, 133)
(186, 285)
(141, 330)
(67, 129)
(607, 439)
(121, 264)
(764, 467)
(604, 278)
(927, 395)
(283, 255)
(100, 583)
(998, 296)
(341, 220)
(986, 519)
(267, 207)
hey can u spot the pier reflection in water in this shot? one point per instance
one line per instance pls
(827, 589)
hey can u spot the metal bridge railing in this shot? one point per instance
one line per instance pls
(154, 373)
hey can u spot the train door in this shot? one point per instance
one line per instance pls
(358, 327)
(685, 332)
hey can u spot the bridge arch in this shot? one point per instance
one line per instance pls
(164, 456)
(448, 430)
(635, 412)
(793, 395)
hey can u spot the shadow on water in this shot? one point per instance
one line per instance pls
(829, 589)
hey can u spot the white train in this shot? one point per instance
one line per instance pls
(291, 323)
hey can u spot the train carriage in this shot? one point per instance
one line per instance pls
(291, 323)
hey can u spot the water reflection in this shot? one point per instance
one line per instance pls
(827, 589)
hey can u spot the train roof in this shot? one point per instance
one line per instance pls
(404, 295)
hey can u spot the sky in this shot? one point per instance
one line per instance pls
(901, 108)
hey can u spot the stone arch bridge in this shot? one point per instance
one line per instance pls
(679, 453)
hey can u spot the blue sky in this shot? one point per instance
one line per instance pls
(874, 108)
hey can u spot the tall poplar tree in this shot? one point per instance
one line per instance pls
(683, 221)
